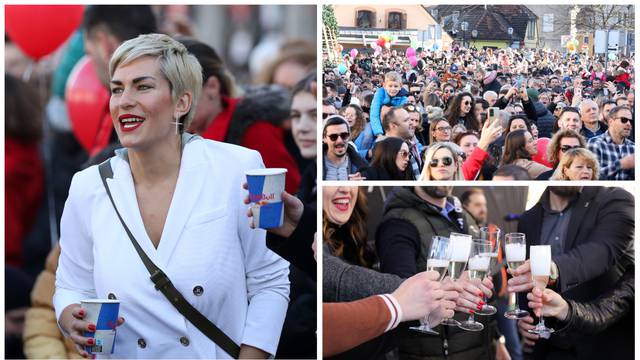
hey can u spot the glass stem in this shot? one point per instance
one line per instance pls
(517, 306)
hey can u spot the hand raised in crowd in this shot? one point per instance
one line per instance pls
(72, 321)
(470, 292)
(528, 339)
(293, 209)
(356, 177)
(523, 92)
(551, 303)
(512, 91)
(521, 280)
(612, 87)
(491, 131)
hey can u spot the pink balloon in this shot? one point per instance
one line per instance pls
(413, 61)
(410, 52)
(88, 106)
(353, 53)
(541, 156)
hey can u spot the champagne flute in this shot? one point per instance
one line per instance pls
(478, 267)
(540, 258)
(460, 245)
(492, 235)
(516, 252)
(438, 260)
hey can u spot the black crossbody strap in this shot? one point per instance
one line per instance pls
(164, 284)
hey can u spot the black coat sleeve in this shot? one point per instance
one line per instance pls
(398, 245)
(296, 249)
(530, 110)
(605, 245)
(596, 316)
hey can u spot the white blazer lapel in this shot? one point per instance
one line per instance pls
(194, 169)
(124, 196)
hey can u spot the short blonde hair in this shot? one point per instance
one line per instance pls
(181, 69)
(392, 76)
(569, 157)
(455, 151)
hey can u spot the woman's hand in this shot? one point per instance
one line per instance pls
(470, 293)
(293, 209)
(521, 280)
(551, 303)
(491, 131)
(528, 339)
(72, 321)
(447, 304)
(419, 295)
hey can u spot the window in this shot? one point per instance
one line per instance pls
(394, 21)
(531, 30)
(365, 19)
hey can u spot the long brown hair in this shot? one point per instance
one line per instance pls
(349, 241)
(453, 112)
(358, 126)
(515, 147)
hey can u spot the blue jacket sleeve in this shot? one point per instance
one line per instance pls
(374, 114)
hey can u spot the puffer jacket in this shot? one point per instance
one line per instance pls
(42, 337)
(545, 120)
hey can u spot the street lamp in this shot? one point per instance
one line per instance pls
(464, 26)
(474, 35)
(510, 32)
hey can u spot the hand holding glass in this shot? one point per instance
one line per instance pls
(516, 252)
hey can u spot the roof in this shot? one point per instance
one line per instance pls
(491, 21)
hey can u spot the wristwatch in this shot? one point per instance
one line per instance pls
(553, 277)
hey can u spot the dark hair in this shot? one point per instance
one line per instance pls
(466, 196)
(349, 241)
(514, 117)
(485, 103)
(212, 64)
(514, 171)
(459, 137)
(515, 147)
(22, 110)
(304, 85)
(334, 120)
(384, 157)
(389, 117)
(358, 126)
(617, 109)
(122, 21)
(453, 112)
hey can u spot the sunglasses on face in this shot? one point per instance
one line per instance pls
(624, 120)
(404, 154)
(466, 103)
(446, 161)
(565, 148)
(448, 91)
(366, 109)
(333, 137)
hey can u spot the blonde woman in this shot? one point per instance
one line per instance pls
(577, 164)
(181, 198)
(442, 162)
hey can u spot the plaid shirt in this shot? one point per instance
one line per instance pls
(609, 154)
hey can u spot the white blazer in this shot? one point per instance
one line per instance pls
(218, 263)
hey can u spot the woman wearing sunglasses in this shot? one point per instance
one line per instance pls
(442, 162)
(577, 164)
(561, 142)
(391, 161)
(461, 110)
(519, 147)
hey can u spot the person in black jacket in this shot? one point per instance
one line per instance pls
(391, 158)
(591, 231)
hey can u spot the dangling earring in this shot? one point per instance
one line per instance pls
(177, 124)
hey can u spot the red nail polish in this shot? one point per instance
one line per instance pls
(481, 302)
(481, 294)
(91, 342)
(91, 327)
(472, 311)
(479, 307)
(81, 312)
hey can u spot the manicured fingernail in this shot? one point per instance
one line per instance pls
(480, 294)
(81, 312)
(481, 302)
(472, 311)
(479, 307)
(91, 342)
(91, 327)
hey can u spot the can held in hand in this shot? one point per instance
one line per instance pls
(265, 193)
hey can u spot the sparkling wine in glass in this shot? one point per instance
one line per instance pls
(516, 252)
(491, 234)
(437, 260)
(540, 258)
(460, 247)
(478, 266)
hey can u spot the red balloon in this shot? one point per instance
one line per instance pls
(88, 106)
(40, 29)
(541, 156)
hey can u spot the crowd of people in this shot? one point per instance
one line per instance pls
(590, 307)
(486, 111)
(275, 117)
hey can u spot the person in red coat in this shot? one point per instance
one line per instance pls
(253, 121)
(23, 169)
